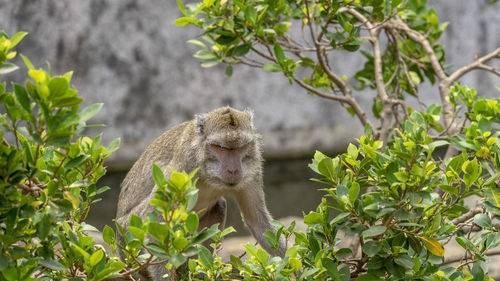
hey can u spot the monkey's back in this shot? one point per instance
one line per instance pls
(136, 187)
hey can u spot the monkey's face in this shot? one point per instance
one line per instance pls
(229, 166)
(228, 156)
(230, 146)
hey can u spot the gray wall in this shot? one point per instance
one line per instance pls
(130, 56)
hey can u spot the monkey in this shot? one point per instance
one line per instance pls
(225, 147)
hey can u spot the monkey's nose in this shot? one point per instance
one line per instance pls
(232, 176)
(233, 171)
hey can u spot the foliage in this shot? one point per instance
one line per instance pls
(48, 175)
(298, 37)
(402, 223)
(391, 194)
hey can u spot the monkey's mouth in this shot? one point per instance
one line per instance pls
(231, 180)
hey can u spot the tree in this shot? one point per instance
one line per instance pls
(398, 198)
(48, 183)
(391, 192)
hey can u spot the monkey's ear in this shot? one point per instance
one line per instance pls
(249, 113)
(200, 123)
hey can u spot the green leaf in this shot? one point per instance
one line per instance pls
(81, 251)
(478, 270)
(343, 253)
(327, 167)
(229, 70)
(373, 231)
(339, 217)
(227, 231)
(278, 52)
(181, 7)
(58, 86)
(272, 67)
(371, 248)
(71, 101)
(196, 42)
(354, 192)
(209, 63)
(208, 3)
(434, 224)
(110, 269)
(16, 38)
(180, 243)
(236, 262)
(136, 221)
(183, 21)
(108, 235)
(415, 78)
(262, 256)
(27, 62)
(464, 242)
(96, 257)
(240, 50)
(75, 201)
(75, 162)
(137, 232)
(404, 260)
(178, 260)
(449, 188)
(7, 68)
(483, 220)
(313, 218)
(52, 264)
(205, 54)
(251, 14)
(472, 170)
(192, 222)
(438, 143)
(158, 176)
(64, 126)
(205, 235)
(90, 111)
(159, 231)
(205, 257)
(22, 96)
(178, 180)
(44, 227)
(113, 146)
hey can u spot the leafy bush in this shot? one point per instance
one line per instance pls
(392, 194)
(48, 174)
(391, 204)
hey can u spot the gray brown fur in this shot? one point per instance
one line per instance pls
(187, 146)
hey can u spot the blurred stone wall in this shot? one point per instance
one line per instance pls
(130, 56)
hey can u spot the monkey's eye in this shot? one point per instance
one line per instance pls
(219, 147)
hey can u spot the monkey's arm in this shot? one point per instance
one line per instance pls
(257, 218)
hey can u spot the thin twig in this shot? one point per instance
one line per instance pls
(477, 64)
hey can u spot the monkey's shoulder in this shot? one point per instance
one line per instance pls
(164, 147)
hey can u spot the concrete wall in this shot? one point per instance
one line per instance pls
(129, 55)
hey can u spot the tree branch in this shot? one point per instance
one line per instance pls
(448, 111)
(343, 99)
(470, 214)
(457, 258)
(319, 53)
(477, 64)
(386, 114)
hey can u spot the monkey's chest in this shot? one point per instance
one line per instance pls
(208, 196)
